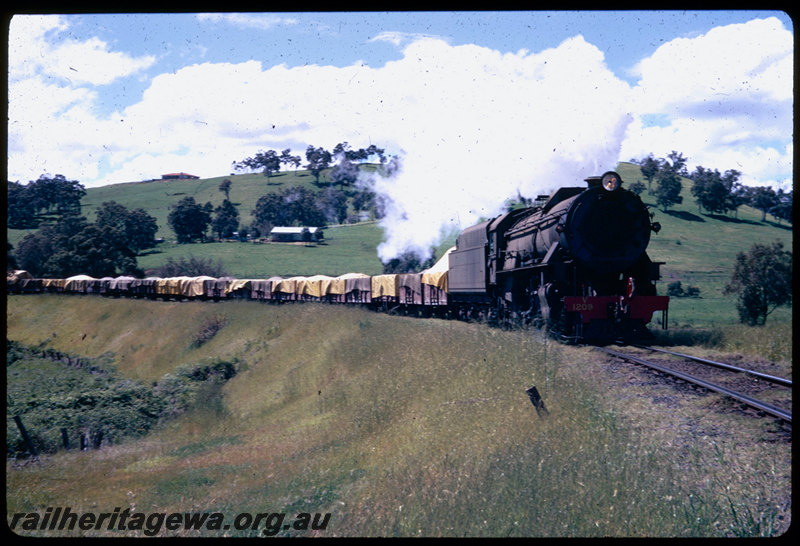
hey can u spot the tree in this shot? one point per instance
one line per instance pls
(333, 204)
(21, 209)
(189, 220)
(764, 199)
(669, 189)
(292, 206)
(137, 228)
(763, 280)
(783, 210)
(714, 192)
(72, 246)
(345, 173)
(650, 167)
(268, 162)
(637, 187)
(226, 220)
(49, 192)
(318, 160)
(678, 165)
(225, 187)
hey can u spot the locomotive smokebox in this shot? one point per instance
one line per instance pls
(604, 228)
(606, 231)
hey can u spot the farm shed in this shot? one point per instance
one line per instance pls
(284, 234)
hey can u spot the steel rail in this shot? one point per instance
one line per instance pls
(765, 377)
(752, 402)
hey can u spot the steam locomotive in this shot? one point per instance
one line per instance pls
(575, 264)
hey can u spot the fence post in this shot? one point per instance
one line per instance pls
(25, 436)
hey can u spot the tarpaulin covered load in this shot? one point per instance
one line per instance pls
(316, 286)
(30, 285)
(120, 284)
(196, 287)
(409, 288)
(263, 288)
(357, 287)
(238, 287)
(14, 279)
(287, 286)
(78, 283)
(144, 287)
(384, 286)
(437, 275)
(17, 275)
(101, 285)
(171, 286)
(53, 285)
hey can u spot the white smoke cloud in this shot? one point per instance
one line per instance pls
(478, 127)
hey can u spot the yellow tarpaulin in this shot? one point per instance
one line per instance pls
(195, 287)
(384, 285)
(171, 286)
(53, 283)
(437, 275)
(316, 286)
(286, 286)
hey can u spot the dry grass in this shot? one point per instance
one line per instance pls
(407, 427)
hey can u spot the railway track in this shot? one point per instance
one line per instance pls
(760, 405)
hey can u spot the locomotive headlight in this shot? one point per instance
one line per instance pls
(611, 181)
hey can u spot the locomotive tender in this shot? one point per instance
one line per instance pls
(576, 264)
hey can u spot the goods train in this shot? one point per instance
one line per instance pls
(575, 263)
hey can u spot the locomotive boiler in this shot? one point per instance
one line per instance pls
(577, 264)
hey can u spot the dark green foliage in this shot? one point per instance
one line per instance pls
(668, 190)
(295, 206)
(136, 229)
(763, 280)
(675, 290)
(49, 395)
(226, 220)
(267, 162)
(21, 209)
(345, 173)
(715, 192)
(650, 167)
(189, 220)
(318, 159)
(637, 187)
(73, 246)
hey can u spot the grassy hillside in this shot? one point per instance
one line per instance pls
(406, 427)
(697, 249)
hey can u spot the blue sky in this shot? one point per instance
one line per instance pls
(530, 100)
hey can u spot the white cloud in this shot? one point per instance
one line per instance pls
(78, 63)
(727, 98)
(261, 21)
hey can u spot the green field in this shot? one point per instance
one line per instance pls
(697, 249)
(406, 427)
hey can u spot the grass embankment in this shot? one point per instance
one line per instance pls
(401, 426)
